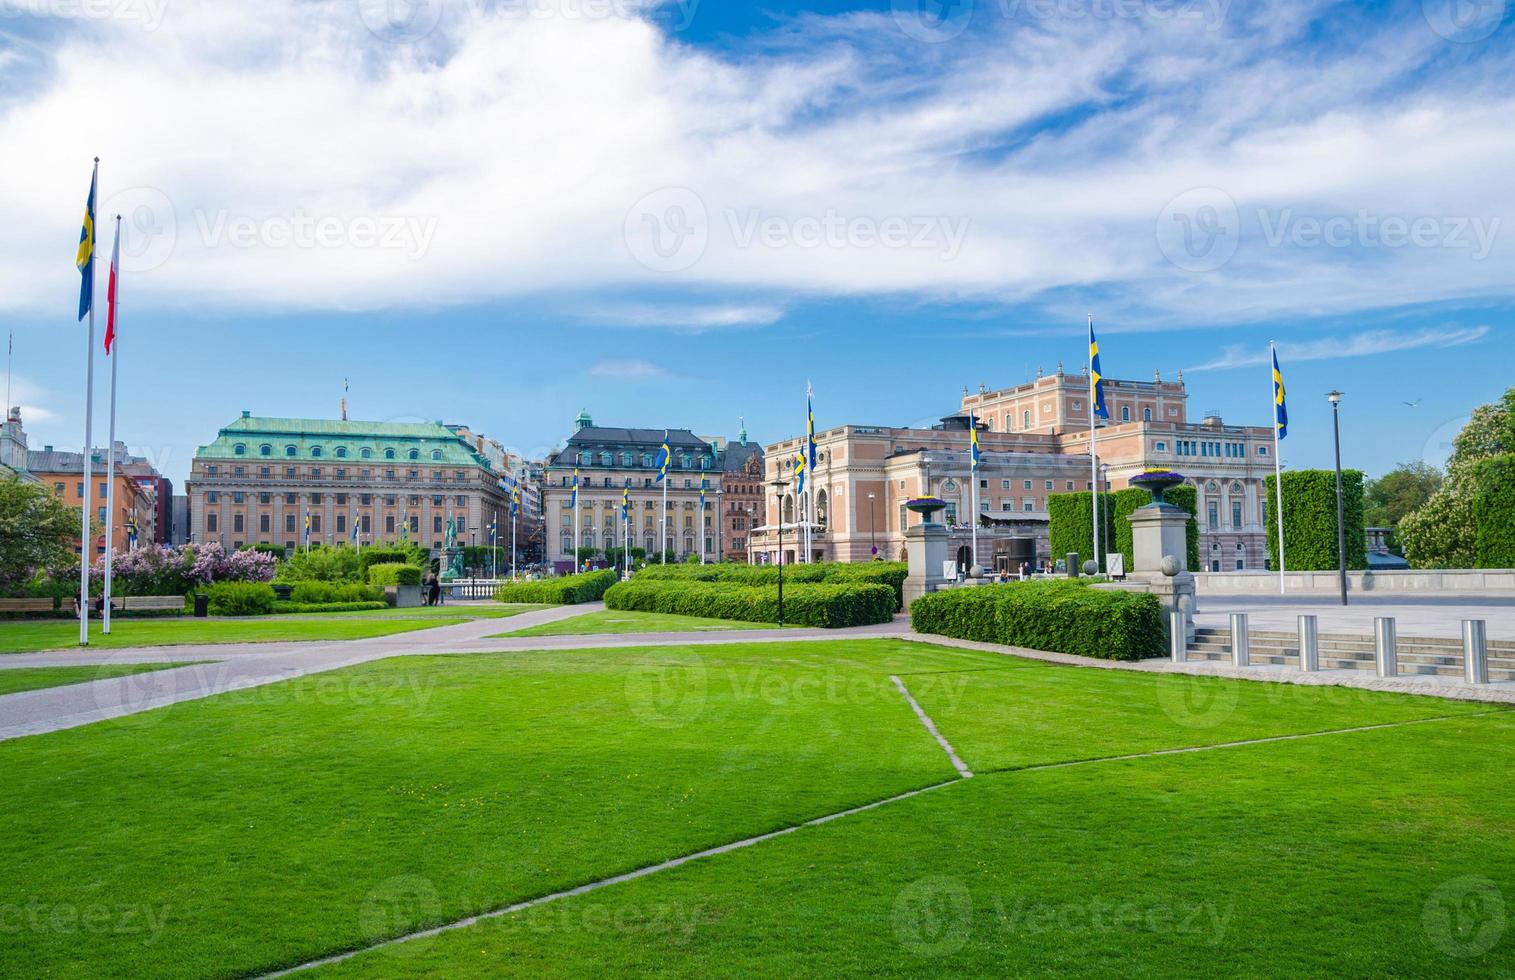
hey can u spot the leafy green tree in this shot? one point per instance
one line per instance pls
(1442, 532)
(37, 531)
(1399, 492)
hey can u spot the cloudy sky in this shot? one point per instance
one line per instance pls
(502, 211)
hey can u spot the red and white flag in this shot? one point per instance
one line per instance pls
(110, 291)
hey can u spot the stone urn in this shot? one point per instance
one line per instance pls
(926, 507)
(1157, 483)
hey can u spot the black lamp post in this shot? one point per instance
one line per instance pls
(872, 528)
(1334, 397)
(778, 491)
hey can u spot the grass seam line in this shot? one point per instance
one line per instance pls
(632, 875)
(962, 770)
(1244, 742)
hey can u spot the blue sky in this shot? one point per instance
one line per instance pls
(500, 212)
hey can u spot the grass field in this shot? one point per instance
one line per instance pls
(630, 621)
(23, 636)
(264, 828)
(18, 679)
(452, 610)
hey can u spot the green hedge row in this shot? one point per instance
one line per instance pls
(1071, 526)
(1127, 500)
(315, 593)
(395, 554)
(240, 598)
(1494, 512)
(316, 607)
(823, 604)
(564, 590)
(890, 573)
(394, 573)
(1310, 520)
(1061, 617)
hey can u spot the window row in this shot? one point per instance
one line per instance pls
(341, 452)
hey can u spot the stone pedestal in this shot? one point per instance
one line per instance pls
(1159, 559)
(925, 551)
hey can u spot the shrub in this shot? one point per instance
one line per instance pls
(1310, 520)
(212, 563)
(1494, 512)
(277, 550)
(321, 564)
(1062, 617)
(313, 607)
(241, 598)
(822, 604)
(317, 593)
(564, 590)
(1071, 525)
(888, 573)
(391, 554)
(394, 573)
(148, 570)
(1124, 502)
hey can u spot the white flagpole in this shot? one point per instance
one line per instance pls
(85, 551)
(110, 451)
(1278, 473)
(515, 519)
(1093, 451)
(972, 496)
(575, 523)
(663, 520)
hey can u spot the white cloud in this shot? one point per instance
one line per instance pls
(626, 369)
(690, 318)
(1362, 344)
(279, 154)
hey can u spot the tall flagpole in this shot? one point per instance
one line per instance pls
(85, 551)
(1093, 450)
(515, 518)
(575, 521)
(113, 299)
(663, 520)
(973, 494)
(1278, 473)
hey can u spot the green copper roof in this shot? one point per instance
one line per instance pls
(341, 442)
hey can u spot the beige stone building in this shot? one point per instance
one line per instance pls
(1034, 440)
(260, 478)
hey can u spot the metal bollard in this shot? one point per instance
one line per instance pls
(1178, 639)
(1475, 651)
(1309, 644)
(1386, 646)
(1241, 654)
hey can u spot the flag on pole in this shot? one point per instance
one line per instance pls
(84, 258)
(974, 456)
(626, 501)
(702, 494)
(307, 525)
(356, 524)
(799, 473)
(809, 427)
(110, 291)
(1280, 409)
(664, 454)
(1096, 379)
(573, 498)
(131, 533)
(515, 501)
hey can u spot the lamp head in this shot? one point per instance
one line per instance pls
(1334, 397)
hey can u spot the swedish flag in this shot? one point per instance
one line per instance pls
(702, 495)
(809, 431)
(626, 501)
(573, 498)
(973, 453)
(1096, 378)
(799, 473)
(515, 501)
(1280, 409)
(84, 258)
(664, 455)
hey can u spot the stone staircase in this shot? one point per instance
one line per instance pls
(1341, 651)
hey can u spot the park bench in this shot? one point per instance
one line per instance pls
(26, 605)
(142, 603)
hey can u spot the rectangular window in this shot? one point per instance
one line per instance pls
(389, 523)
(289, 522)
(236, 523)
(1262, 450)
(211, 496)
(1236, 515)
(263, 523)
(341, 524)
(104, 491)
(1028, 504)
(1004, 484)
(1049, 485)
(1025, 484)
(80, 489)
(210, 522)
(436, 524)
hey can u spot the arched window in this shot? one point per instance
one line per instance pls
(315, 452)
(646, 464)
(686, 461)
(265, 450)
(341, 452)
(365, 452)
(606, 459)
(1146, 417)
(389, 454)
(239, 449)
(1125, 416)
(1025, 424)
(413, 454)
(820, 508)
(625, 459)
(435, 454)
(788, 513)
(290, 450)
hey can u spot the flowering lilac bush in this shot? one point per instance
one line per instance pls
(160, 570)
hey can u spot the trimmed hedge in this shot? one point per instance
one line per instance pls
(890, 573)
(1061, 617)
(1129, 499)
(823, 604)
(1071, 525)
(1310, 525)
(316, 607)
(240, 598)
(316, 593)
(564, 590)
(394, 573)
(390, 555)
(1494, 512)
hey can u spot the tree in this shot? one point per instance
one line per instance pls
(37, 531)
(1399, 492)
(1442, 532)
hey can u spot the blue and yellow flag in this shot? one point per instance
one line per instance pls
(1096, 378)
(84, 258)
(626, 501)
(573, 498)
(307, 526)
(515, 501)
(809, 431)
(702, 494)
(1280, 409)
(799, 473)
(664, 455)
(973, 454)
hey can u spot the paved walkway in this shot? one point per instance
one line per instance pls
(1414, 616)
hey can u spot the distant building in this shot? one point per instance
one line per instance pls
(180, 521)
(741, 497)
(256, 482)
(13, 448)
(137, 492)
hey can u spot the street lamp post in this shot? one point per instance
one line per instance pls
(778, 486)
(872, 528)
(1334, 397)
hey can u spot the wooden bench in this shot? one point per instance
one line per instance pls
(26, 605)
(149, 602)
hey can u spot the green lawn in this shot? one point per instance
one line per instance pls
(631, 621)
(13, 680)
(25, 636)
(452, 610)
(266, 827)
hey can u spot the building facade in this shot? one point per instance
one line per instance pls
(1034, 441)
(13, 448)
(136, 493)
(741, 496)
(260, 478)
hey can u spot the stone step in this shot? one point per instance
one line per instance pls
(1444, 667)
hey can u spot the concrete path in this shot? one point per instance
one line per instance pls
(1414, 616)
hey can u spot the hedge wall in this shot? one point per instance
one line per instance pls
(1061, 617)
(1129, 499)
(315, 607)
(390, 555)
(1494, 512)
(320, 593)
(394, 573)
(890, 573)
(822, 604)
(564, 590)
(240, 598)
(1071, 527)
(1310, 525)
